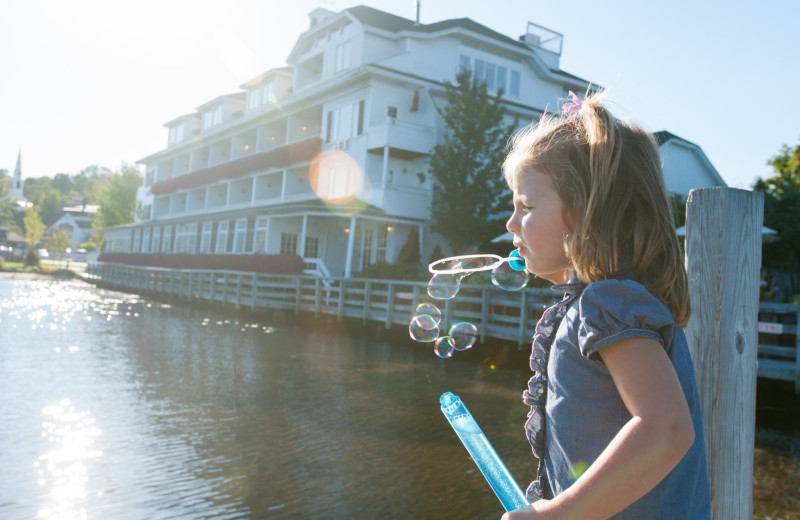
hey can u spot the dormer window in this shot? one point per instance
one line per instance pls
(260, 96)
(212, 117)
(176, 134)
(343, 53)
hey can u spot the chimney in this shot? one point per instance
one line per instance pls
(418, 6)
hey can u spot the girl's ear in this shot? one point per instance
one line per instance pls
(571, 219)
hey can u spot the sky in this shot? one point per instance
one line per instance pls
(92, 82)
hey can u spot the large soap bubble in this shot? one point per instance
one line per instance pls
(423, 329)
(463, 335)
(506, 277)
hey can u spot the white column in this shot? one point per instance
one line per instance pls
(350, 242)
(301, 244)
(385, 170)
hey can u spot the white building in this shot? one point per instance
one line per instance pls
(77, 220)
(327, 157)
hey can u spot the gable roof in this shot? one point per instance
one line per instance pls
(664, 137)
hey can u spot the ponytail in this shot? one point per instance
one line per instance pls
(608, 174)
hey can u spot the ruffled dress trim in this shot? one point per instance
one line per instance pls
(536, 394)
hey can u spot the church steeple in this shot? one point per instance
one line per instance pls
(16, 184)
(16, 180)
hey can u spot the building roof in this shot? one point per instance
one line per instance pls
(394, 23)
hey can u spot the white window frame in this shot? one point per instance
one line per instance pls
(221, 246)
(260, 235)
(206, 237)
(239, 235)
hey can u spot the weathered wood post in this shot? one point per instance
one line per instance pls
(723, 257)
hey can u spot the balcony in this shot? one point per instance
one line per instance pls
(278, 157)
(405, 140)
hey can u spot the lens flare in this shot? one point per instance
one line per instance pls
(338, 181)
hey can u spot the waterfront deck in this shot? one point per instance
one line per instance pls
(498, 314)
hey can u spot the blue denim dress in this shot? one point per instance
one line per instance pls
(576, 409)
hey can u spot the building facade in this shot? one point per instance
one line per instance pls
(326, 158)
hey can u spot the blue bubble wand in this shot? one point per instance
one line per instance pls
(482, 452)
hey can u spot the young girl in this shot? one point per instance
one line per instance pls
(615, 419)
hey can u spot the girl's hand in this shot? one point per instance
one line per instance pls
(535, 511)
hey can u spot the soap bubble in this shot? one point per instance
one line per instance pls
(423, 329)
(429, 309)
(444, 347)
(444, 286)
(505, 277)
(463, 335)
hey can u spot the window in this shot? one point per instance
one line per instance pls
(380, 250)
(262, 227)
(513, 89)
(338, 182)
(137, 237)
(391, 111)
(345, 122)
(239, 235)
(212, 117)
(363, 248)
(288, 244)
(155, 245)
(146, 240)
(312, 248)
(490, 76)
(260, 95)
(176, 134)
(185, 238)
(266, 93)
(166, 241)
(480, 70)
(222, 237)
(464, 62)
(501, 78)
(205, 237)
(494, 76)
(342, 60)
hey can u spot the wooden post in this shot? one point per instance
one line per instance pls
(723, 257)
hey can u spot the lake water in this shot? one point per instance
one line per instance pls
(115, 406)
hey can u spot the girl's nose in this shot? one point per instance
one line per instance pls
(512, 224)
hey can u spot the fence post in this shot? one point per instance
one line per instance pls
(723, 257)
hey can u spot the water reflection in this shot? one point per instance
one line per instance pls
(138, 409)
(62, 469)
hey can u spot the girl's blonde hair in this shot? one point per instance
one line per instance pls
(608, 174)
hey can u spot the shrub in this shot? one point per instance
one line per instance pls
(32, 258)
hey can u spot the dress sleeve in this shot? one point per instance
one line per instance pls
(612, 310)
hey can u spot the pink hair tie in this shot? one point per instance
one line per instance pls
(573, 107)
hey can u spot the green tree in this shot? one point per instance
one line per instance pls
(35, 188)
(34, 227)
(117, 198)
(57, 240)
(782, 211)
(52, 201)
(409, 253)
(7, 205)
(468, 184)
